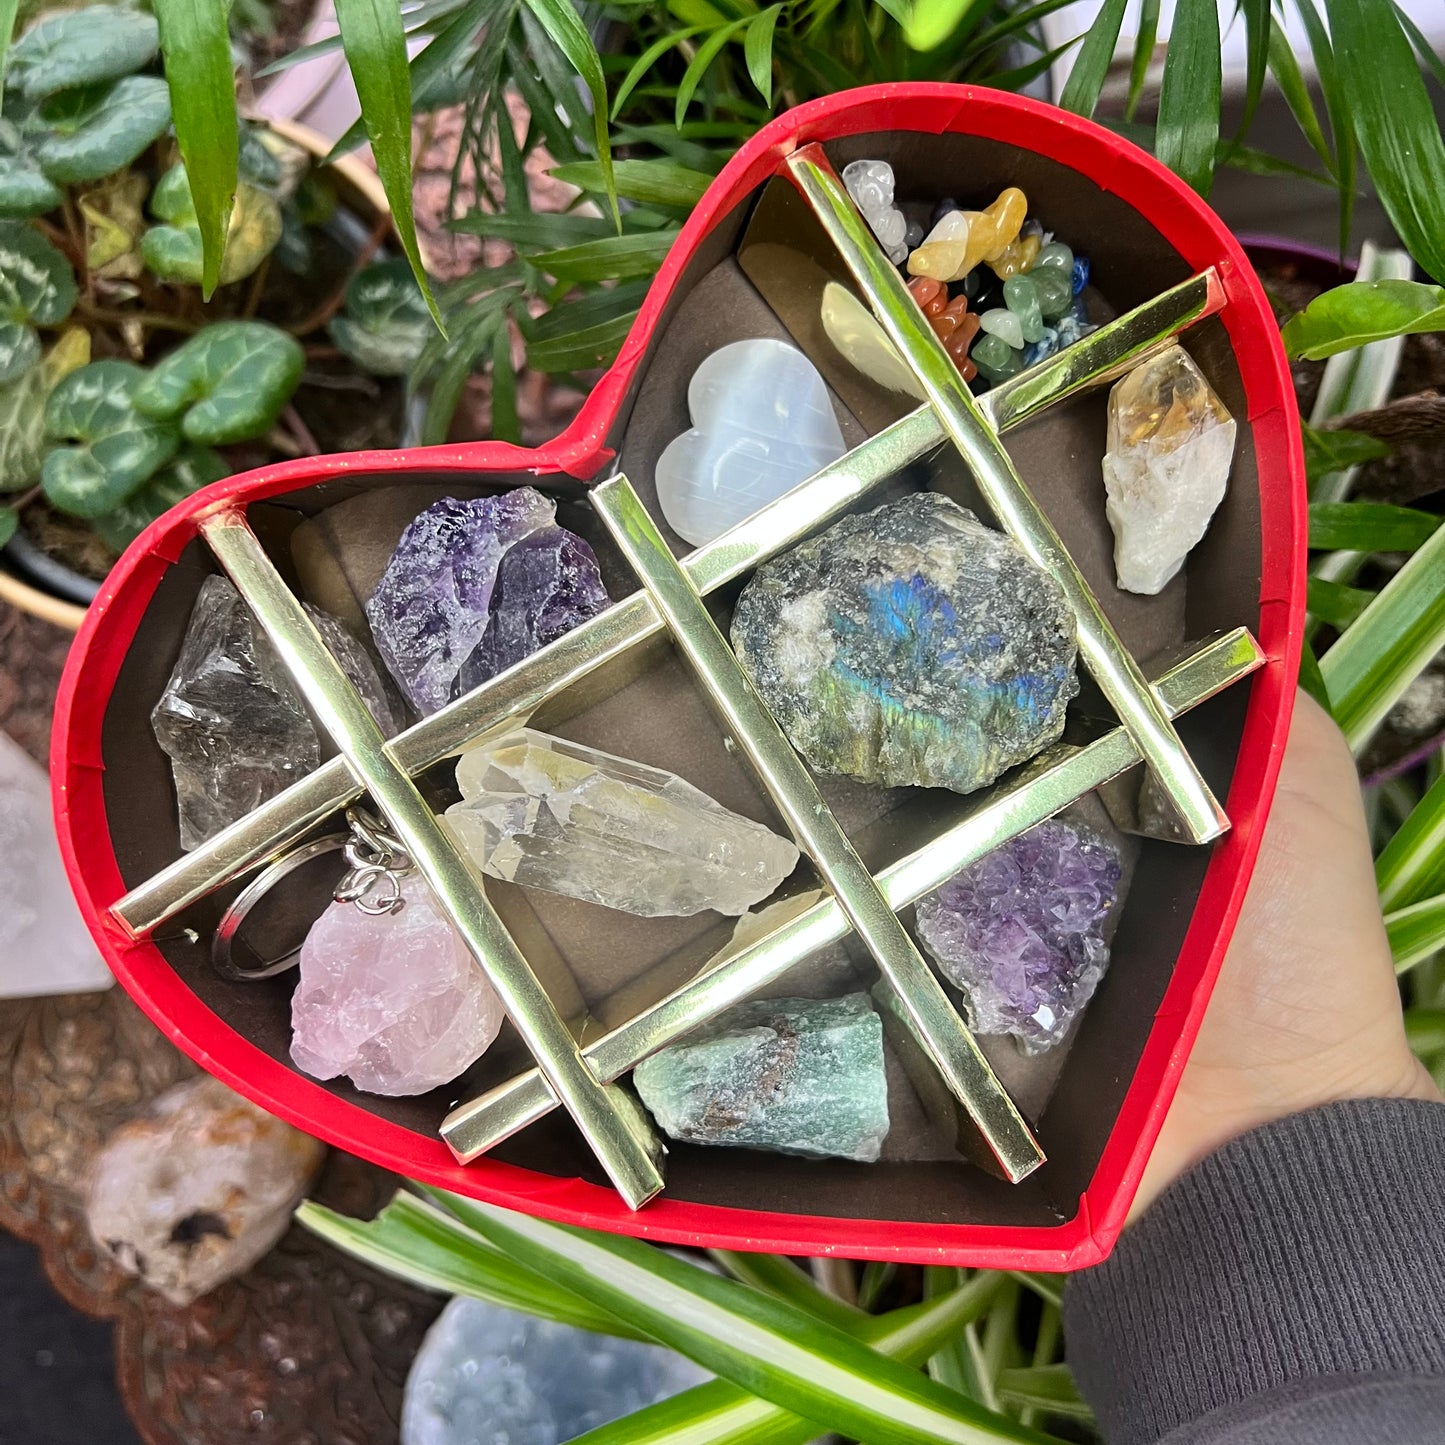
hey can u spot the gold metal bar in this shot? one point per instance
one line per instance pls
(612, 1129)
(942, 1032)
(509, 699)
(482, 1123)
(1014, 507)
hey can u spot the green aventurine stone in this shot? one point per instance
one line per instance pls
(1055, 291)
(995, 358)
(794, 1075)
(1054, 256)
(1021, 296)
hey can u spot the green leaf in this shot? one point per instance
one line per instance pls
(506, 425)
(707, 52)
(226, 384)
(1310, 680)
(1360, 311)
(1086, 79)
(1394, 122)
(24, 191)
(1285, 69)
(192, 469)
(1188, 128)
(174, 251)
(1257, 21)
(1145, 38)
(1336, 604)
(763, 1344)
(19, 349)
(95, 131)
(1335, 449)
(22, 429)
(1425, 1030)
(197, 46)
(8, 9)
(758, 50)
(375, 45)
(1412, 865)
(613, 258)
(1368, 526)
(81, 47)
(1049, 1388)
(9, 519)
(779, 1276)
(932, 22)
(1416, 933)
(559, 18)
(1338, 108)
(537, 228)
(581, 350)
(119, 448)
(1393, 641)
(653, 182)
(647, 60)
(385, 325)
(36, 282)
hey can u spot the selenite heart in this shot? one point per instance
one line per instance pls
(761, 423)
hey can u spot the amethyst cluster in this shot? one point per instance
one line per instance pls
(474, 587)
(1021, 931)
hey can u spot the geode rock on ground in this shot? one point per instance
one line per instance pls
(797, 1076)
(489, 1374)
(231, 720)
(197, 1189)
(910, 645)
(1021, 931)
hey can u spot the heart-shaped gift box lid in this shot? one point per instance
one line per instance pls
(329, 524)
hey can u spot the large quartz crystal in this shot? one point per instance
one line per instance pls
(1170, 445)
(794, 1075)
(1021, 930)
(761, 423)
(546, 584)
(548, 813)
(911, 645)
(231, 720)
(433, 603)
(394, 1001)
(489, 1376)
(197, 1188)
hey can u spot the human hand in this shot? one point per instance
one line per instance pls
(1306, 1010)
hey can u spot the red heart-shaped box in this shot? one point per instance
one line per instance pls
(331, 521)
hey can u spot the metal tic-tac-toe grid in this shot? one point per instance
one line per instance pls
(582, 1078)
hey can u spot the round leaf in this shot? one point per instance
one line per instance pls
(19, 349)
(173, 251)
(226, 384)
(192, 469)
(81, 47)
(100, 129)
(24, 191)
(118, 449)
(22, 430)
(386, 323)
(39, 284)
(1360, 312)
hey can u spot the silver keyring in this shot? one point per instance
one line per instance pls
(250, 896)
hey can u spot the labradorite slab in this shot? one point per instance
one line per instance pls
(910, 646)
(794, 1075)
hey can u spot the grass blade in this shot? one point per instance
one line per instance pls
(1370, 526)
(1285, 69)
(652, 182)
(1337, 450)
(1393, 641)
(1310, 680)
(647, 60)
(764, 1345)
(1048, 1389)
(758, 50)
(197, 48)
(375, 45)
(1425, 1029)
(1394, 123)
(1336, 604)
(1188, 128)
(1091, 65)
(612, 258)
(1257, 21)
(1428, 58)
(1412, 865)
(1417, 932)
(698, 67)
(780, 1277)
(506, 426)
(583, 349)
(1144, 43)
(1337, 107)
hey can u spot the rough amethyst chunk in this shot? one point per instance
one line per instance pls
(546, 585)
(432, 605)
(1021, 931)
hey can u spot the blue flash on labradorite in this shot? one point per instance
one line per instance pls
(910, 645)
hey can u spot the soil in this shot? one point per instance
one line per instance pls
(289, 19)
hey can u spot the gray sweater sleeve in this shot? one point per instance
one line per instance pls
(1288, 1290)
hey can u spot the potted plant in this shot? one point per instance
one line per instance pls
(123, 387)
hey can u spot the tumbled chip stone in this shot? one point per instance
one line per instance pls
(394, 1002)
(432, 605)
(796, 1075)
(910, 645)
(1021, 931)
(1170, 444)
(548, 813)
(231, 720)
